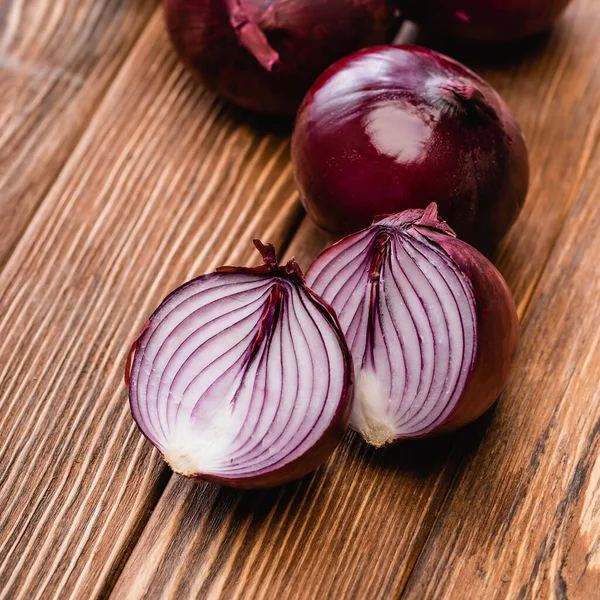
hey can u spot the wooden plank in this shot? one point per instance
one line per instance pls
(355, 529)
(56, 61)
(166, 183)
(523, 520)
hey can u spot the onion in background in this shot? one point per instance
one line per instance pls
(265, 54)
(493, 21)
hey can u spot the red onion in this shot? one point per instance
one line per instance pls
(397, 127)
(485, 20)
(431, 325)
(242, 377)
(265, 54)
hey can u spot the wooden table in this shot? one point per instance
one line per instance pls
(120, 179)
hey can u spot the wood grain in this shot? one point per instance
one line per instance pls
(532, 528)
(357, 527)
(165, 184)
(57, 59)
(338, 534)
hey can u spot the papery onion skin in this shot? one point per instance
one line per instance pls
(491, 21)
(280, 291)
(264, 54)
(397, 127)
(496, 324)
(499, 332)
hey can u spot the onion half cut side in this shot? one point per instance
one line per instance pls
(242, 377)
(430, 322)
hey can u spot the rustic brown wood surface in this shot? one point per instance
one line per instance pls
(121, 178)
(57, 61)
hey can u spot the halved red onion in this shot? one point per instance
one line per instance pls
(430, 322)
(242, 377)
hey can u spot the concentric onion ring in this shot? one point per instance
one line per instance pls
(242, 377)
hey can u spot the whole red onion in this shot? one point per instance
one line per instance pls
(265, 54)
(397, 127)
(242, 377)
(485, 20)
(430, 322)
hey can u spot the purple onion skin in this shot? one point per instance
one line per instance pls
(398, 127)
(324, 446)
(265, 54)
(491, 21)
(498, 328)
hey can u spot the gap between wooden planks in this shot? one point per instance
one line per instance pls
(75, 557)
(56, 61)
(357, 527)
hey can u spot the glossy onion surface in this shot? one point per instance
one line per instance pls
(242, 377)
(397, 127)
(485, 20)
(265, 54)
(431, 325)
